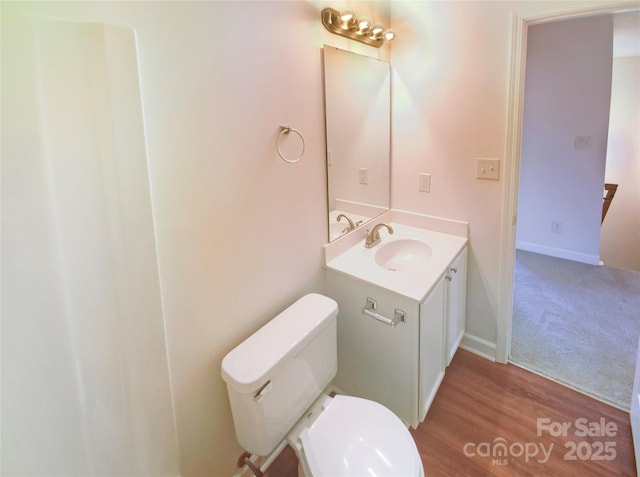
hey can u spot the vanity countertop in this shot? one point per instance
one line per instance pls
(417, 281)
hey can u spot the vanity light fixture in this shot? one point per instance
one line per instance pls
(362, 30)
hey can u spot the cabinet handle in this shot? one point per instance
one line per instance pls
(448, 277)
(454, 270)
(372, 305)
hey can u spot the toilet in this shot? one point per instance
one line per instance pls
(276, 381)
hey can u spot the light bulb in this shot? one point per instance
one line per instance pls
(363, 25)
(389, 35)
(347, 20)
(376, 31)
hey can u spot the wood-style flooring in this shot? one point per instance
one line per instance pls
(485, 419)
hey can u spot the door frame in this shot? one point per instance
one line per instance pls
(519, 26)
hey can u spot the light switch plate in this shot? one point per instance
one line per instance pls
(424, 183)
(363, 175)
(488, 169)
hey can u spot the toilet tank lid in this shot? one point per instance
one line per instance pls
(246, 367)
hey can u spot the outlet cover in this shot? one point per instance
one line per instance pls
(424, 184)
(582, 142)
(488, 169)
(363, 175)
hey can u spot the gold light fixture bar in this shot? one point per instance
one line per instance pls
(362, 30)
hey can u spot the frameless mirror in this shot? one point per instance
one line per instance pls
(358, 128)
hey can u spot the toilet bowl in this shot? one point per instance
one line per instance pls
(354, 436)
(276, 381)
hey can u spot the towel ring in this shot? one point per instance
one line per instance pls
(287, 130)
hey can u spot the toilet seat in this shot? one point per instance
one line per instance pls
(354, 437)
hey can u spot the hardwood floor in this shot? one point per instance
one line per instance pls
(481, 404)
(480, 401)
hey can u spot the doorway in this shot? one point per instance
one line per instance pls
(567, 99)
(562, 324)
(512, 169)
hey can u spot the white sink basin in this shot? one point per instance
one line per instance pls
(403, 255)
(410, 262)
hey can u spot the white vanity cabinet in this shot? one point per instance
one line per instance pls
(398, 366)
(415, 273)
(456, 302)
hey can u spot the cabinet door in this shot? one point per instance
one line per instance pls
(456, 301)
(431, 347)
(376, 361)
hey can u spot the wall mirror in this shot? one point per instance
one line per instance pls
(358, 128)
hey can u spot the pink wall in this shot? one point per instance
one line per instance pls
(451, 99)
(567, 95)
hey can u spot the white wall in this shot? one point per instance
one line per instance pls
(451, 99)
(620, 236)
(239, 232)
(567, 95)
(85, 376)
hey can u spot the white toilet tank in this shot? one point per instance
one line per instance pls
(275, 375)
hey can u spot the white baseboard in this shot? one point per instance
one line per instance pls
(559, 253)
(479, 346)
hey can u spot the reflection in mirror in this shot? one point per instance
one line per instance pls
(358, 115)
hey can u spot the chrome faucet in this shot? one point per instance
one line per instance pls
(373, 237)
(352, 226)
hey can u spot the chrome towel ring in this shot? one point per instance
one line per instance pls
(287, 130)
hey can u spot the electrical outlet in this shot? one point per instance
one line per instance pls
(556, 227)
(363, 175)
(582, 142)
(488, 169)
(424, 184)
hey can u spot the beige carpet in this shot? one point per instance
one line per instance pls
(577, 324)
